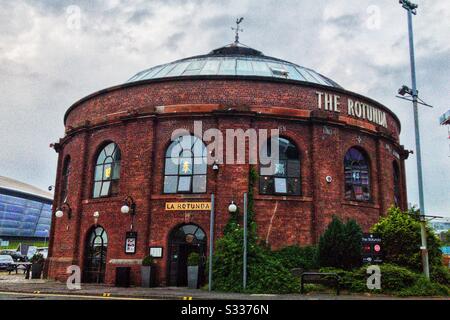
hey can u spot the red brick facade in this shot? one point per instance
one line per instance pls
(140, 118)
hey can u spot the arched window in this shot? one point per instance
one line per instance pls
(396, 173)
(65, 180)
(285, 176)
(185, 166)
(356, 170)
(107, 171)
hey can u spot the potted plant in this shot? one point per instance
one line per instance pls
(148, 272)
(37, 265)
(193, 261)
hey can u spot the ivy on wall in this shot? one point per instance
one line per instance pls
(266, 273)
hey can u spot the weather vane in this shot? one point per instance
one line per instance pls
(237, 29)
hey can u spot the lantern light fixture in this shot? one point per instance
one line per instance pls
(232, 208)
(129, 206)
(60, 211)
(215, 166)
(96, 215)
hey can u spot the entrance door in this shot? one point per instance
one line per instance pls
(95, 256)
(183, 241)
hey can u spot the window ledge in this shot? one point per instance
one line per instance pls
(357, 203)
(283, 198)
(180, 196)
(103, 199)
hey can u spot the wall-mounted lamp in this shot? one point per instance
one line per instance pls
(129, 206)
(96, 215)
(215, 166)
(60, 211)
(232, 208)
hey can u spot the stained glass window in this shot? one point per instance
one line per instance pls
(107, 171)
(285, 178)
(357, 175)
(185, 166)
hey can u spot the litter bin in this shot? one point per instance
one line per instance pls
(123, 277)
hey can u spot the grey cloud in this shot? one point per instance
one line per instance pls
(140, 15)
(173, 41)
(348, 21)
(45, 67)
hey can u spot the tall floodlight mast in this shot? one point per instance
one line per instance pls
(411, 9)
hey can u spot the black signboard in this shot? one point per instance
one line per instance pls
(130, 242)
(371, 248)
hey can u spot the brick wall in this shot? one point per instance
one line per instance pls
(144, 133)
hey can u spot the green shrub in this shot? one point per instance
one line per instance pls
(400, 232)
(340, 245)
(424, 287)
(265, 273)
(147, 261)
(395, 278)
(193, 259)
(298, 257)
(312, 287)
(440, 274)
(349, 280)
(445, 237)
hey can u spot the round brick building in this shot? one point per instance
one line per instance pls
(339, 154)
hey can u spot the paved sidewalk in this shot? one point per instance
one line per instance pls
(17, 283)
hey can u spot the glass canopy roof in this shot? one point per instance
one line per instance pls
(234, 60)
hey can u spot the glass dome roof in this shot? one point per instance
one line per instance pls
(234, 60)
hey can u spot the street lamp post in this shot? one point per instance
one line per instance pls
(411, 9)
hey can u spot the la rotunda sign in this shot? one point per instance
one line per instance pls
(355, 108)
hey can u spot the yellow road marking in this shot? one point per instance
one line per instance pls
(70, 295)
(187, 298)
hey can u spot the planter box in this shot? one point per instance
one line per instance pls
(193, 277)
(36, 270)
(148, 276)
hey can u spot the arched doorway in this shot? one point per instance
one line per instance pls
(95, 255)
(184, 240)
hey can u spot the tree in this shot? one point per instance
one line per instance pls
(340, 245)
(400, 233)
(445, 237)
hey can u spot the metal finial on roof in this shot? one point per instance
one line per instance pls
(237, 29)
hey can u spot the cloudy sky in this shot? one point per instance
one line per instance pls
(53, 53)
